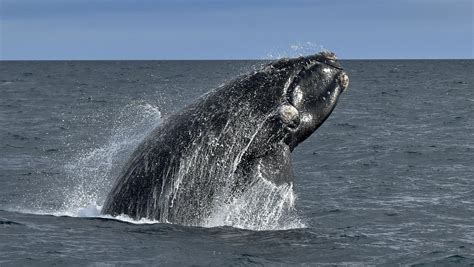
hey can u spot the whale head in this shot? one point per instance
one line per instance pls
(312, 92)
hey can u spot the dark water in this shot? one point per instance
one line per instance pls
(388, 179)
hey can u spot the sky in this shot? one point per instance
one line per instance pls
(244, 29)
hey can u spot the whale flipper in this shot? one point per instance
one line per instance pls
(275, 166)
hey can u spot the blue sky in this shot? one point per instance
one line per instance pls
(245, 29)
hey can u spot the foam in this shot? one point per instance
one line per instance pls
(91, 211)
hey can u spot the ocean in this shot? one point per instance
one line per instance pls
(387, 180)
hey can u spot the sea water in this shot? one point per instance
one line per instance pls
(388, 178)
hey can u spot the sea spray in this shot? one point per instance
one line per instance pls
(91, 172)
(263, 206)
(296, 49)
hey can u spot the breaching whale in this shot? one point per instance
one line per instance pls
(213, 150)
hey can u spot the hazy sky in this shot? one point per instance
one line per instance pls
(212, 29)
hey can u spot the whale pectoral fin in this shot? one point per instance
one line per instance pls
(274, 166)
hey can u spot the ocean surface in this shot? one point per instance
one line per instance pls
(388, 179)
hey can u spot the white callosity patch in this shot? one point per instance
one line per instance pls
(297, 96)
(287, 84)
(288, 113)
(306, 118)
(327, 70)
(344, 80)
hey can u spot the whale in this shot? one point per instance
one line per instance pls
(216, 148)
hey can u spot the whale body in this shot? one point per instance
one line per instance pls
(216, 148)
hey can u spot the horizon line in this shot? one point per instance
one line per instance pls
(229, 59)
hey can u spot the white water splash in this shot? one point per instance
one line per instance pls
(263, 206)
(297, 49)
(92, 172)
(90, 211)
